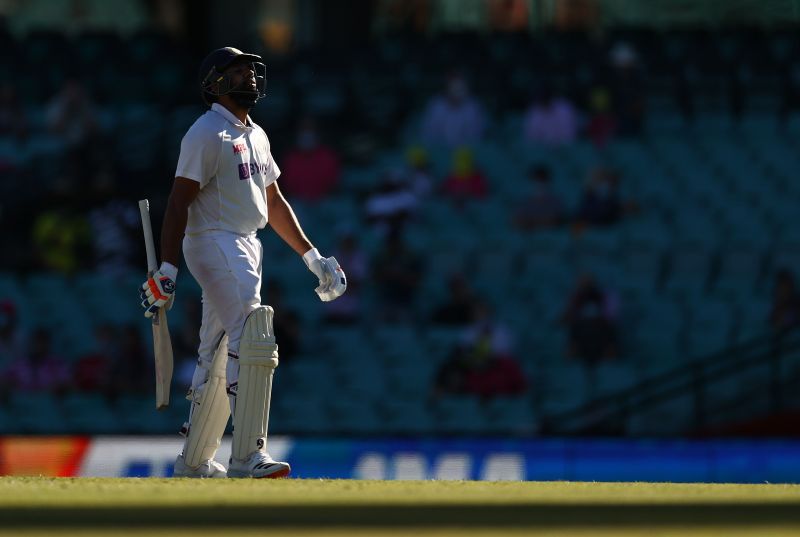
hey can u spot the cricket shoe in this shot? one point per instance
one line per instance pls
(258, 465)
(209, 468)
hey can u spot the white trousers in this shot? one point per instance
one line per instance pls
(228, 268)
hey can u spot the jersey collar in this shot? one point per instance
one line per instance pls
(224, 112)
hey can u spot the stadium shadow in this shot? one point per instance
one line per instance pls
(429, 515)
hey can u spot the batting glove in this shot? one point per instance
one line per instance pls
(332, 280)
(159, 289)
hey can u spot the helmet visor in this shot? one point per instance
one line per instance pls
(221, 83)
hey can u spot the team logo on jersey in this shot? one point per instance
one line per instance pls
(244, 171)
(239, 148)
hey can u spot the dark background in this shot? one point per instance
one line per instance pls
(649, 291)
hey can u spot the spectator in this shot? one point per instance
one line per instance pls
(71, 115)
(286, 323)
(92, 371)
(482, 363)
(39, 369)
(627, 87)
(311, 168)
(451, 376)
(602, 124)
(600, 204)
(543, 208)
(456, 310)
(590, 316)
(453, 118)
(420, 177)
(390, 206)
(347, 308)
(483, 324)
(465, 180)
(12, 338)
(551, 120)
(785, 311)
(60, 240)
(397, 272)
(115, 229)
(508, 15)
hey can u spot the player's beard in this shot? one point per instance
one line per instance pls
(245, 99)
(244, 96)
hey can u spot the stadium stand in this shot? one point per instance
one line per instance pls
(692, 267)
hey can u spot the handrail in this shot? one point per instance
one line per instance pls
(601, 413)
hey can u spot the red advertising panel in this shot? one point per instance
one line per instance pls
(53, 456)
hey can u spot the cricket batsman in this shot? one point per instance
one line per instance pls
(225, 190)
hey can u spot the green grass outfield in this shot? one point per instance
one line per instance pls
(106, 506)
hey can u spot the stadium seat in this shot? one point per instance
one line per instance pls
(360, 179)
(7, 422)
(407, 416)
(136, 414)
(656, 348)
(353, 416)
(542, 346)
(301, 413)
(459, 415)
(304, 374)
(36, 413)
(612, 377)
(674, 416)
(511, 416)
(441, 339)
(11, 288)
(367, 378)
(139, 153)
(90, 413)
(554, 268)
(694, 267)
(752, 316)
(689, 267)
(710, 124)
(650, 231)
(741, 267)
(565, 387)
(707, 339)
(412, 376)
(643, 265)
(327, 98)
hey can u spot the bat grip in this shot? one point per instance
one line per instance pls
(149, 244)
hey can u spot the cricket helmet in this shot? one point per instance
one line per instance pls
(214, 82)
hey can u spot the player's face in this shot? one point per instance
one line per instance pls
(242, 75)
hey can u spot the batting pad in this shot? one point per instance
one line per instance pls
(258, 358)
(210, 415)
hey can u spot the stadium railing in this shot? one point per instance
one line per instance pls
(745, 381)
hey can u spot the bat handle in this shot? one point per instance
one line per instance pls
(149, 243)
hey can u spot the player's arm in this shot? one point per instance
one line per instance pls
(283, 220)
(184, 191)
(332, 281)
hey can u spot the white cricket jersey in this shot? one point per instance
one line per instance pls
(234, 165)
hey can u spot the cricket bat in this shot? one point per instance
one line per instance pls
(162, 344)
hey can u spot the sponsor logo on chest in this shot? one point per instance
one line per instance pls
(239, 148)
(249, 169)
